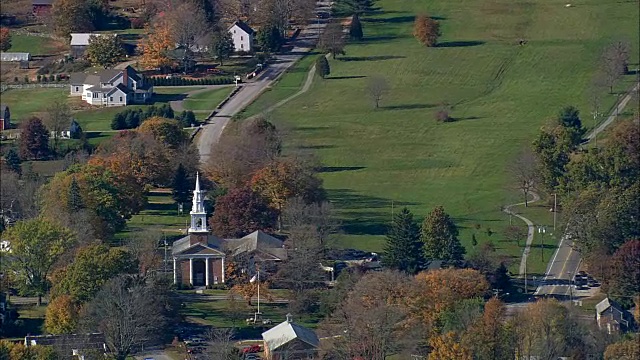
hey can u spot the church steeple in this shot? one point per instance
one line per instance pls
(198, 214)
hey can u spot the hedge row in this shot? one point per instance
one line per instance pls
(132, 118)
(177, 81)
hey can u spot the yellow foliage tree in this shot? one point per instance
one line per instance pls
(249, 290)
(624, 350)
(61, 316)
(156, 45)
(447, 347)
(168, 131)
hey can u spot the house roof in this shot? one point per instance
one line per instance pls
(603, 305)
(258, 241)
(42, 2)
(15, 56)
(77, 78)
(132, 73)
(66, 344)
(287, 331)
(3, 107)
(243, 26)
(82, 39)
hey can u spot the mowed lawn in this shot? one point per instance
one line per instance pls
(35, 45)
(24, 103)
(207, 100)
(378, 161)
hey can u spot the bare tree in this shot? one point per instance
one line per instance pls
(144, 246)
(19, 197)
(222, 344)
(332, 39)
(615, 61)
(298, 213)
(244, 149)
(57, 119)
(190, 28)
(377, 87)
(129, 312)
(515, 233)
(301, 271)
(524, 174)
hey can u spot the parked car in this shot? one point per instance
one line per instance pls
(267, 322)
(251, 349)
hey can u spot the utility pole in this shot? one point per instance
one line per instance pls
(555, 210)
(595, 126)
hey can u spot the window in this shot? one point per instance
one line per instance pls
(120, 98)
(94, 95)
(77, 88)
(241, 37)
(234, 31)
(111, 98)
(241, 46)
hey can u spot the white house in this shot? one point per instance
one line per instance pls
(242, 36)
(112, 87)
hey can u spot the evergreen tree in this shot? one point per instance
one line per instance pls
(269, 38)
(440, 236)
(322, 66)
(501, 277)
(222, 47)
(181, 185)
(12, 159)
(75, 200)
(404, 250)
(474, 241)
(355, 31)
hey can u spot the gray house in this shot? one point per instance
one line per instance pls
(611, 317)
(111, 87)
(5, 117)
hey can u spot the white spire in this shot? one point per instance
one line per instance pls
(198, 213)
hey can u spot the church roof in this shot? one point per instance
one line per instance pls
(258, 241)
(181, 245)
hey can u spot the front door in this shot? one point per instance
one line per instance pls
(198, 272)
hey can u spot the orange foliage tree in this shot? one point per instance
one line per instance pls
(156, 45)
(447, 347)
(426, 30)
(168, 131)
(62, 315)
(5, 39)
(249, 290)
(436, 291)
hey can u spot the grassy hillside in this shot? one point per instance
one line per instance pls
(501, 92)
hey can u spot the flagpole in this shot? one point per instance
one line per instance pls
(258, 283)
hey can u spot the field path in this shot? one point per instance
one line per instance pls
(527, 248)
(614, 114)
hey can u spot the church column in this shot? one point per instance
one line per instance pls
(223, 270)
(175, 272)
(206, 269)
(191, 271)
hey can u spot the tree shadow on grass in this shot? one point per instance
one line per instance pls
(467, 118)
(407, 107)
(395, 19)
(162, 98)
(358, 217)
(328, 169)
(379, 38)
(371, 58)
(316, 147)
(449, 44)
(345, 77)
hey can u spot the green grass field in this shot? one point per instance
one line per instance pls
(289, 84)
(501, 94)
(26, 102)
(35, 45)
(207, 100)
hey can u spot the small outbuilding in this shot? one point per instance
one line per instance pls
(15, 56)
(80, 41)
(290, 341)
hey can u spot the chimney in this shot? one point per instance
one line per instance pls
(125, 77)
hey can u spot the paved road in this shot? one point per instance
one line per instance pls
(522, 271)
(566, 261)
(212, 131)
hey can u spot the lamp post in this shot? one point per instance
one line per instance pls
(542, 230)
(595, 114)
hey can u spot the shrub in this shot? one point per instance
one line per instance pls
(15, 79)
(52, 78)
(442, 115)
(26, 79)
(38, 78)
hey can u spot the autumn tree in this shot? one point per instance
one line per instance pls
(5, 39)
(299, 213)
(426, 30)
(167, 131)
(524, 173)
(189, 28)
(627, 349)
(248, 289)
(377, 88)
(245, 148)
(614, 62)
(370, 320)
(156, 46)
(105, 50)
(322, 67)
(440, 237)
(34, 139)
(404, 251)
(222, 46)
(36, 245)
(436, 291)
(71, 16)
(355, 28)
(284, 179)
(490, 339)
(447, 347)
(552, 148)
(62, 315)
(332, 40)
(625, 273)
(91, 268)
(240, 212)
